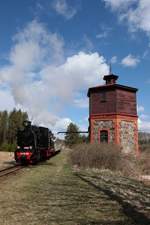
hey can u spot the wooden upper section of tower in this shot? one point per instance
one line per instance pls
(112, 98)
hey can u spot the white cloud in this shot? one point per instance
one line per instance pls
(140, 108)
(41, 80)
(144, 117)
(130, 61)
(88, 43)
(144, 125)
(6, 100)
(83, 127)
(86, 118)
(113, 60)
(135, 12)
(139, 18)
(143, 121)
(63, 9)
(102, 35)
(119, 4)
(82, 102)
(145, 54)
(62, 124)
(105, 31)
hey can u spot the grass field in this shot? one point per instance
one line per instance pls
(51, 194)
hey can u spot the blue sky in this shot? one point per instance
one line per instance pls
(52, 51)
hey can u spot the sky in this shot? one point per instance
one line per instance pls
(52, 51)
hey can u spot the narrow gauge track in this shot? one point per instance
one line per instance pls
(9, 170)
(13, 169)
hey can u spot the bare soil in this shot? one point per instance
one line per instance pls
(6, 159)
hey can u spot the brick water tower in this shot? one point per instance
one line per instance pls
(113, 114)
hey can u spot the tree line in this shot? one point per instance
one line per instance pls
(10, 122)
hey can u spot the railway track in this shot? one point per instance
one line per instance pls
(13, 169)
(9, 170)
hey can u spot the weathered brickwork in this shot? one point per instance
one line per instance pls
(127, 135)
(102, 125)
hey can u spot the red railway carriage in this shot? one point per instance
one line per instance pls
(34, 144)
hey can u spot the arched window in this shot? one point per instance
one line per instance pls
(103, 136)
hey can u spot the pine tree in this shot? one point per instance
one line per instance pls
(16, 119)
(9, 124)
(12, 127)
(4, 126)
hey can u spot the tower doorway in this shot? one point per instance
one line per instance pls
(103, 136)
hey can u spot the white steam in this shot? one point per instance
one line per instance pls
(42, 80)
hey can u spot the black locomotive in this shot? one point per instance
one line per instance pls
(34, 144)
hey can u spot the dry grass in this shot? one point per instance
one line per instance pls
(144, 162)
(50, 194)
(104, 156)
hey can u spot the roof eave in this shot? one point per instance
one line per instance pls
(112, 86)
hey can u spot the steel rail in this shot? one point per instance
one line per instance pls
(9, 170)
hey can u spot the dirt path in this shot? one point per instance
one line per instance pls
(6, 159)
(50, 194)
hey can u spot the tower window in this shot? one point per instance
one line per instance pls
(103, 136)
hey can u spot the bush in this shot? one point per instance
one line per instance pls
(144, 162)
(103, 156)
(144, 147)
(8, 147)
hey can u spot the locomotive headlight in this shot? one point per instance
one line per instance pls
(18, 147)
(30, 147)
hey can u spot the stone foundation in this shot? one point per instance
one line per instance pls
(122, 130)
(103, 125)
(127, 136)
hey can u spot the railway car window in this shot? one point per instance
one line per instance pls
(104, 136)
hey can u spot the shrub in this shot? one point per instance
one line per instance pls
(8, 147)
(144, 147)
(144, 162)
(103, 156)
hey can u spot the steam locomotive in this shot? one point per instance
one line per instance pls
(34, 144)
